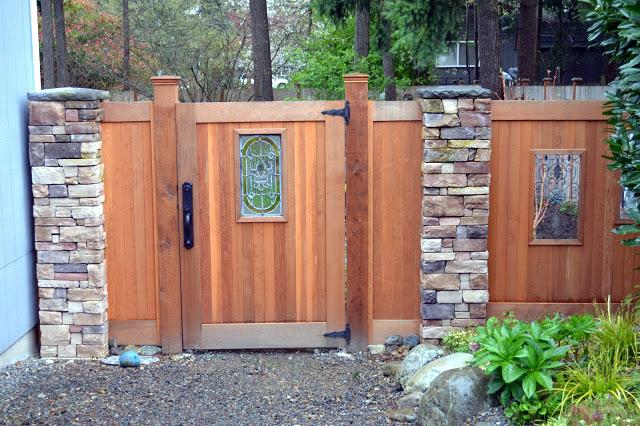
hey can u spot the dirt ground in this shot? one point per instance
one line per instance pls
(221, 388)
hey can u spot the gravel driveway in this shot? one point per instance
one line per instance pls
(221, 388)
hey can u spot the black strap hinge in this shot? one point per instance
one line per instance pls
(342, 334)
(343, 112)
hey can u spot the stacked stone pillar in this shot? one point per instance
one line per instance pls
(68, 197)
(455, 207)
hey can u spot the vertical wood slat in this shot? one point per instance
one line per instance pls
(168, 248)
(395, 192)
(254, 287)
(130, 220)
(357, 157)
(528, 274)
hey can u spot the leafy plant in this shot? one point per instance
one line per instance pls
(610, 362)
(615, 26)
(616, 333)
(520, 357)
(603, 411)
(460, 340)
(531, 410)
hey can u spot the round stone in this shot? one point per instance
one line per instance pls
(129, 359)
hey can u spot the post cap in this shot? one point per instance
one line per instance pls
(163, 80)
(356, 78)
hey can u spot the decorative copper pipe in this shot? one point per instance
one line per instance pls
(546, 82)
(575, 81)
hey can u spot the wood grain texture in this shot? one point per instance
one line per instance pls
(130, 220)
(357, 157)
(395, 111)
(385, 328)
(241, 275)
(395, 207)
(168, 244)
(127, 112)
(547, 110)
(134, 332)
(534, 311)
(268, 336)
(549, 275)
(243, 112)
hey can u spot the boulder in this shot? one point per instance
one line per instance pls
(417, 358)
(453, 397)
(424, 377)
(410, 401)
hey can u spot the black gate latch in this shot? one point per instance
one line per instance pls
(343, 112)
(343, 334)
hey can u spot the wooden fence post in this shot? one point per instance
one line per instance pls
(357, 207)
(165, 95)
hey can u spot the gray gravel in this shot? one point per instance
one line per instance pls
(221, 388)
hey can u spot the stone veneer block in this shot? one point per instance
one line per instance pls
(67, 185)
(455, 206)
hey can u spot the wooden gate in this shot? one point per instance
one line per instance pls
(255, 280)
(262, 282)
(531, 275)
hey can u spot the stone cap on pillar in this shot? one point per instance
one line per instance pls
(62, 94)
(453, 92)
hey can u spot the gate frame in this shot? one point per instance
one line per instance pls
(164, 122)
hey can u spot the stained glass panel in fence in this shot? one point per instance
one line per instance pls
(556, 196)
(260, 175)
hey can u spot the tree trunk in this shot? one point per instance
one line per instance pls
(126, 54)
(475, 43)
(62, 78)
(466, 41)
(48, 67)
(362, 30)
(388, 69)
(527, 41)
(489, 46)
(260, 51)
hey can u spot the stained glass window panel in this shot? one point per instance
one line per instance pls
(556, 196)
(260, 175)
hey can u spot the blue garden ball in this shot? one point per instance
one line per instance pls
(129, 359)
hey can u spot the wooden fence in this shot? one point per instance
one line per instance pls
(531, 276)
(525, 276)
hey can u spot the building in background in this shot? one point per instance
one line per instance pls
(579, 59)
(19, 73)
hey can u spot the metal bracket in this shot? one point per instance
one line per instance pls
(342, 334)
(343, 112)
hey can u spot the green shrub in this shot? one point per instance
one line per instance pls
(521, 358)
(617, 333)
(604, 373)
(460, 340)
(599, 411)
(608, 368)
(532, 410)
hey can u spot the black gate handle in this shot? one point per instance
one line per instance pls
(187, 214)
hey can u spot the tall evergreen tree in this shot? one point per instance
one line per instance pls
(48, 66)
(126, 51)
(527, 41)
(261, 51)
(489, 46)
(62, 68)
(423, 27)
